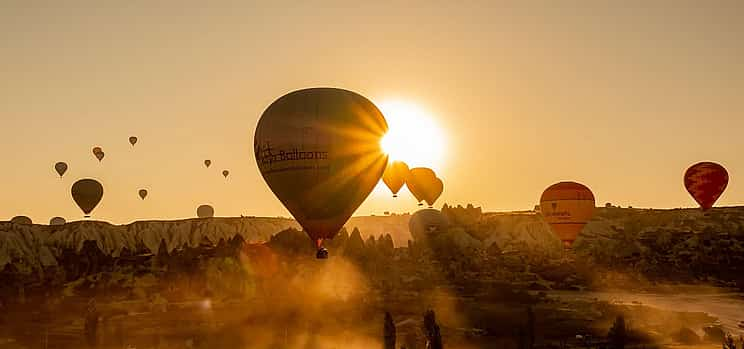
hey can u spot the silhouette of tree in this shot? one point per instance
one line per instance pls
(431, 331)
(618, 333)
(389, 327)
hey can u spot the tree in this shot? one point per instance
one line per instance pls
(617, 333)
(431, 331)
(389, 327)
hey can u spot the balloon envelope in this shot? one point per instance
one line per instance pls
(132, 140)
(434, 192)
(87, 193)
(205, 211)
(319, 151)
(395, 176)
(706, 181)
(426, 222)
(143, 194)
(61, 168)
(567, 207)
(21, 220)
(225, 173)
(207, 163)
(57, 221)
(420, 182)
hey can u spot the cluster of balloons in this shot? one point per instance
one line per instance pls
(422, 182)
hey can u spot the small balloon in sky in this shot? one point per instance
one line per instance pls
(87, 193)
(98, 153)
(205, 211)
(395, 175)
(207, 163)
(61, 168)
(132, 140)
(422, 183)
(143, 194)
(706, 181)
(225, 173)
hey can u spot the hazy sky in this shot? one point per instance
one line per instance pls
(621, 96)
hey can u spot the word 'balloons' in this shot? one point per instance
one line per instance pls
(57, 221)
(427, 222)
(22, 220)
(205, 211)
(225, 173)
(207, 163)
(61, 168)
(133, 140)
(143, 193)
(395, 176)
(87, 193)
(567, 207)
(422, 183)
(706, 181)
(319, 151)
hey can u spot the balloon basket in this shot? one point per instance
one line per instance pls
(322, 253)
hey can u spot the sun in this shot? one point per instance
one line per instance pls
(413, 135)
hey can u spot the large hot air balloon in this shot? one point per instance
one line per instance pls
(98, 152)
(567, 207)
(706, 181)
(87, 193)
(133, 140)
(22, 220)
(61, 168)
(57, 221)
(421, 182)
(426, 222)
(205, 211)
(395, 176)
(207, 163)
(225, 173)
(142, 193)
(319, 151)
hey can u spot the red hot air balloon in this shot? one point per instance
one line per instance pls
(706, 181)
(567, 207)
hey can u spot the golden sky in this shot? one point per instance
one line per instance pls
(619, 95)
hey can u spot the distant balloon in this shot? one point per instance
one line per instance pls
(57, 221)
(87, 193)
(319, 151)
(133, 140)
(395, 176)
(427, 222)
(98, 152)
(706, 181)
(567, 207)
(421, 182)
(207, 163)
(225, 173)
(143, 193)
(61, 168)
(437, 187)
(205, 211)
(23, 220)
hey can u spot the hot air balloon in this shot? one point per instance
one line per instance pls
(207, 163)
(395, 176)
(87, 193)
(143, 193)
(434, 192)
(421, 182)
(225, 173)
(22, 220)
(205, 211)
(426, 222)
(61, 168)
(567, 207)
(133, 140)
(706, 181)
(57, 221)
(319, 151)
(98, 152)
